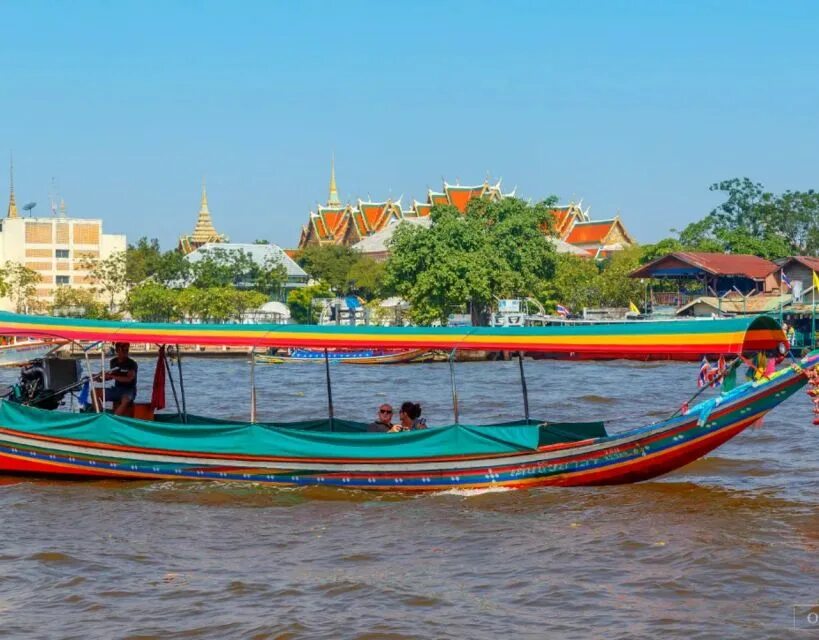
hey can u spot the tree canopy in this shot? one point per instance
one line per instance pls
(496, 250)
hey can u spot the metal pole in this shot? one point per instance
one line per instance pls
(102, 360)
(173, 389)
(523, 387)
(452, 383)
(329, 388)
(181, 383)
(94, 399)
(813, 314)
(253, 385)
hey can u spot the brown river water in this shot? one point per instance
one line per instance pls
(725, 548)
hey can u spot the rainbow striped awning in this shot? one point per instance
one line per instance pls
(628, 338)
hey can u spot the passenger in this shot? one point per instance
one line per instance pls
(383, 421)
(123, 371)
(410, 416)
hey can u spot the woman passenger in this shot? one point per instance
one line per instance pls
(410, 417)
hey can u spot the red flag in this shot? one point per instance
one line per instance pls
(158, 393)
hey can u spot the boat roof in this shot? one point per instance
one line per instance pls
(664, 337)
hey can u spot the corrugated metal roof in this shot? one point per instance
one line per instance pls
(809, 261)
(718, 264)
(258, 252)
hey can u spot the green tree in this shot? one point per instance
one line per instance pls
(21, 285)
(496, 250)
(575, 283)
(154, 302)
(366, 277)
(616, 288)
(142, 260)
(109, 275)
(173, 269)
(330, 264)
(300, 302)
(77, 302)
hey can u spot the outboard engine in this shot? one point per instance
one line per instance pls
(44, 382)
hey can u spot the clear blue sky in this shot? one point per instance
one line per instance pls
(632, 106)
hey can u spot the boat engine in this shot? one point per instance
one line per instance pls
(45, 382)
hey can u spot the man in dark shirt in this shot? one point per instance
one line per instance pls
(383, 421)
(123, 371)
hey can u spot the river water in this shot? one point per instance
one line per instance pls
(724, 548)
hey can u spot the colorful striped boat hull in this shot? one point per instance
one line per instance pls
(631, 456)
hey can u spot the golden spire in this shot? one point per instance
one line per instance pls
(204, 230)
(12, 211)
(333, 200)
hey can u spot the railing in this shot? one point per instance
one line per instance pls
(673, 298)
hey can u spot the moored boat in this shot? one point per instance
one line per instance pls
(18, 352)
(345, 356)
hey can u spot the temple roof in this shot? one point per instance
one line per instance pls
(596, 232)
(204, 231)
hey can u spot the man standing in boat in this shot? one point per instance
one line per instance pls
(123, 371)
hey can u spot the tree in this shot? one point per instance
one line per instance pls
(82, 303)
(496, 250)
(142, 260)
(615, 287)
(575, 282)
(21, 285)
(329, 263)
(153, 302)
(109, 275)
(173, 269)
(366, 277)
(752, 220)
(300, 302)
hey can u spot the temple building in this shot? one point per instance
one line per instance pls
(204, 232)
(57, 247)
(352, 225)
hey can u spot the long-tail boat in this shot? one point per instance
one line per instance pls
(334, 452)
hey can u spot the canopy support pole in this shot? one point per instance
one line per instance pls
(94, 399)
(181, 383)
(329, 388)
(102, 361)
(523, 387)
(253, 384)
(452, 384)
(168, 369)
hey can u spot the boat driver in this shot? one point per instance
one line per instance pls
(123, 371)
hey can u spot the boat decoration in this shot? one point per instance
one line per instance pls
(690, 337)
(336, 453)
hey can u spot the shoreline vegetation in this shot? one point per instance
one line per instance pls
(459, 264)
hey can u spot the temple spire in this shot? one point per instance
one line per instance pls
(204, 229)
(12, 210)
(333, 200)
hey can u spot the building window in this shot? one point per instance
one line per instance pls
(61, 253)
(63, 280)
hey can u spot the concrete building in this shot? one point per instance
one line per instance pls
(55, 247)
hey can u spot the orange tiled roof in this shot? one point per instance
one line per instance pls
(590, 232)
(459, 196)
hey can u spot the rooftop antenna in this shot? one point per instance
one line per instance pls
(28, 207)
(53, 196)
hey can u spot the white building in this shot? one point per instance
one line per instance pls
(55, 247)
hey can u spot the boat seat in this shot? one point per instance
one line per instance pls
(139, 410)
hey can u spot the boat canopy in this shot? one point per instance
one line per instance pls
(643, 338)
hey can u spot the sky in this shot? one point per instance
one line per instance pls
(121, 108)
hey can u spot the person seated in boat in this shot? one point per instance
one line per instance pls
(383, 421)
(410, 416)
(123, 371)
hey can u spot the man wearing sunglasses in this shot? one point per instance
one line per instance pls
(383, 421)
